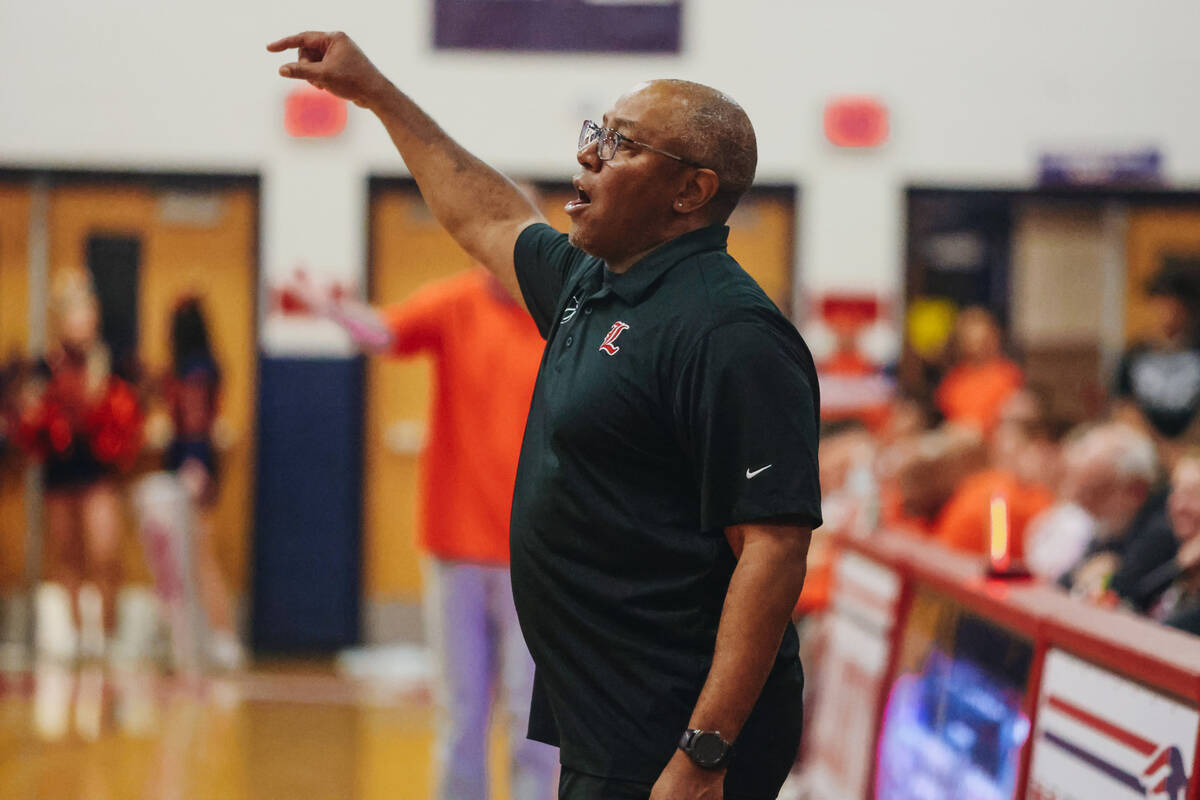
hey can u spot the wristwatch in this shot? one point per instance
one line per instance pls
(706, 748)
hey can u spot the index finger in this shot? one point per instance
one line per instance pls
(306, 39)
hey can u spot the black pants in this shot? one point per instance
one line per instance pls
(574, 785)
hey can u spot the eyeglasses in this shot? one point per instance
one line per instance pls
(608, 140)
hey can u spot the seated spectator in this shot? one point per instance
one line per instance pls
(926, 474)
(1022, 457)
(1160, 572)
(1109, 474)
(1158, 379)
(981, 378)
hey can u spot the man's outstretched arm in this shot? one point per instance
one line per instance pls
(481, 209)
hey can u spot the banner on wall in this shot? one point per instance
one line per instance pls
(1100, 735)
(595, 26)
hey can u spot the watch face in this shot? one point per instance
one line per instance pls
(708, 748)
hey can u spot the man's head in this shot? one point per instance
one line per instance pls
(642, 196)
(1108, 472)
(1023, 441)
(977, 336)
(1174, 298)
(1183, 505)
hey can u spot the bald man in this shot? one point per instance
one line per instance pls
(667, 487)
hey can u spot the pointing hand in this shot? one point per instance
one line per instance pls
(333, 62)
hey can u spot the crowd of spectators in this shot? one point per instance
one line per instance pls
(1107, 507)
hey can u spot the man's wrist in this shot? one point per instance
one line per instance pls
(380, 98)
(706, 749)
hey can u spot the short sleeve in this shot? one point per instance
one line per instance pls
(746, 406)
(543, 259)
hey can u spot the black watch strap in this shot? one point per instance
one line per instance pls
(707, 749)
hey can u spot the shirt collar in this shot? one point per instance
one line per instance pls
(633, 284)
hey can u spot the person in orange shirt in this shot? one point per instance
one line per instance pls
(485, 350)
(982, 378)
(1022, 472)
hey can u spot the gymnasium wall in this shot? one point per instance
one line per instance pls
(974, 94)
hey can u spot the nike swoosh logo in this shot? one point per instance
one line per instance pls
(750, 474)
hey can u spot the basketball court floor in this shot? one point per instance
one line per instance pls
(287, 731)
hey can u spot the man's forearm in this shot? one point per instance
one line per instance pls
(482, 209)
(758, 606)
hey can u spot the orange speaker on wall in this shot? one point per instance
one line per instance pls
(856, 122)
(312, 113)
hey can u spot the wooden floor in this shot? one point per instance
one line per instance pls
(284, 733)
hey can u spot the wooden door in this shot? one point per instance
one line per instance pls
(761, 239)
(14, 344)
(1156, 237)
(409, 249)
(191, 242)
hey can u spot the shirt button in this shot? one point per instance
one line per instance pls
(570, 339)
(587, 309)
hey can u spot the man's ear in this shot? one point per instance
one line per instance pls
(700, 188)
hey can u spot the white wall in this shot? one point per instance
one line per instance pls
(975, 90)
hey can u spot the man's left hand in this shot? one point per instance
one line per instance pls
(684, 780)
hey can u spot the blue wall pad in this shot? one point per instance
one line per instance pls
(308, 514)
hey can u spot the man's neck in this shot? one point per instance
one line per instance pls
(684, 226)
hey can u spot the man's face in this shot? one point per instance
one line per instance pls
(1171, 318)
(978, 340)
(1183, 505)
(625, 204)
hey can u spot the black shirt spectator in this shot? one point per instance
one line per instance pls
(1160, 376)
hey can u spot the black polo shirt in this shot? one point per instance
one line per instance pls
(673, 400)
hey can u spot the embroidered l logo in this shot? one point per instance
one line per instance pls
(608, 346)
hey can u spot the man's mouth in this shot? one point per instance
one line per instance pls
(578, 203)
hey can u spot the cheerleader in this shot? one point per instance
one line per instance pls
(84, 425)
(192, 392)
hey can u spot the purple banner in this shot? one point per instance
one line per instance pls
(594, 26)
(1101, 167)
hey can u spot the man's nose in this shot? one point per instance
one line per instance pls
(589, 156)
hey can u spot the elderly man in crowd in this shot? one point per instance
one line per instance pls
(1108, 474)
(667, 486)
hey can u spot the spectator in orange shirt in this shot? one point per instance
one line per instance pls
(982, 378)
(1023, 466)
(485, 350)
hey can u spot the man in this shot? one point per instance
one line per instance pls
(1108, 476)
(1158, 380)
(667, 487)
(483, 345)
